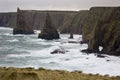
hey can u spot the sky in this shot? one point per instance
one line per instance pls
(11, 5)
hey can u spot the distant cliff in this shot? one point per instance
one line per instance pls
(73, 22)
(8, 19)
(102, 28)
(35, 19)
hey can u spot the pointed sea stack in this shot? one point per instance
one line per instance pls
(21, 25)
(49, 31)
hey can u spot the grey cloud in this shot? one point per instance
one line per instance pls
(11, 5)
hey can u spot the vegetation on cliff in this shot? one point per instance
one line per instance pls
(43, 74)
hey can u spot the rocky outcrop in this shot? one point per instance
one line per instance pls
(21, 24)
(49, 31)
(102, 28)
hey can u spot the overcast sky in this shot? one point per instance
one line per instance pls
(11, 5)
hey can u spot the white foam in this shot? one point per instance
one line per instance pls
(5, 28)
(37, 31)
(72, 60)
(13, 40)
(76, 60)
(18, 55)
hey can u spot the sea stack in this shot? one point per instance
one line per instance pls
(71, 36)
(49, 31)
(21, 24)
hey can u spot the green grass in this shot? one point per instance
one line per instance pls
(45, 74)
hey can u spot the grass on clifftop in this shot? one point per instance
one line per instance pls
(43, 74)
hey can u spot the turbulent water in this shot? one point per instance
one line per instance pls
(29, 51)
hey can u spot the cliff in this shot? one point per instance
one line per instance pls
(22, 27)
(8, 19)
(35, 18)
(102, 28)
(73, 22)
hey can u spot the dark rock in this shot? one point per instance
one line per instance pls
(67, 59)
(59, 51)
(71, 36)
(49, 31)
(116, 53)
(90, 51)
(21, 24)
(107, 60)
(100, 56)
(84, 42)
(87, 58)
(73, 42)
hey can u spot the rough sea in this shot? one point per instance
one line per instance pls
(29, 51)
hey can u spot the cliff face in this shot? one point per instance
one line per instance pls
(66, 26)
(7, 19)
(49, 31)
(21, 24)
(73, 23)
(34, 18)
(102, 28)
(37, 18)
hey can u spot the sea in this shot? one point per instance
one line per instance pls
(23, 51)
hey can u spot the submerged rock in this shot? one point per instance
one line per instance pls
(21, 24)
(49, 31)
(73, 42)
(59, 51)
(100, 56)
